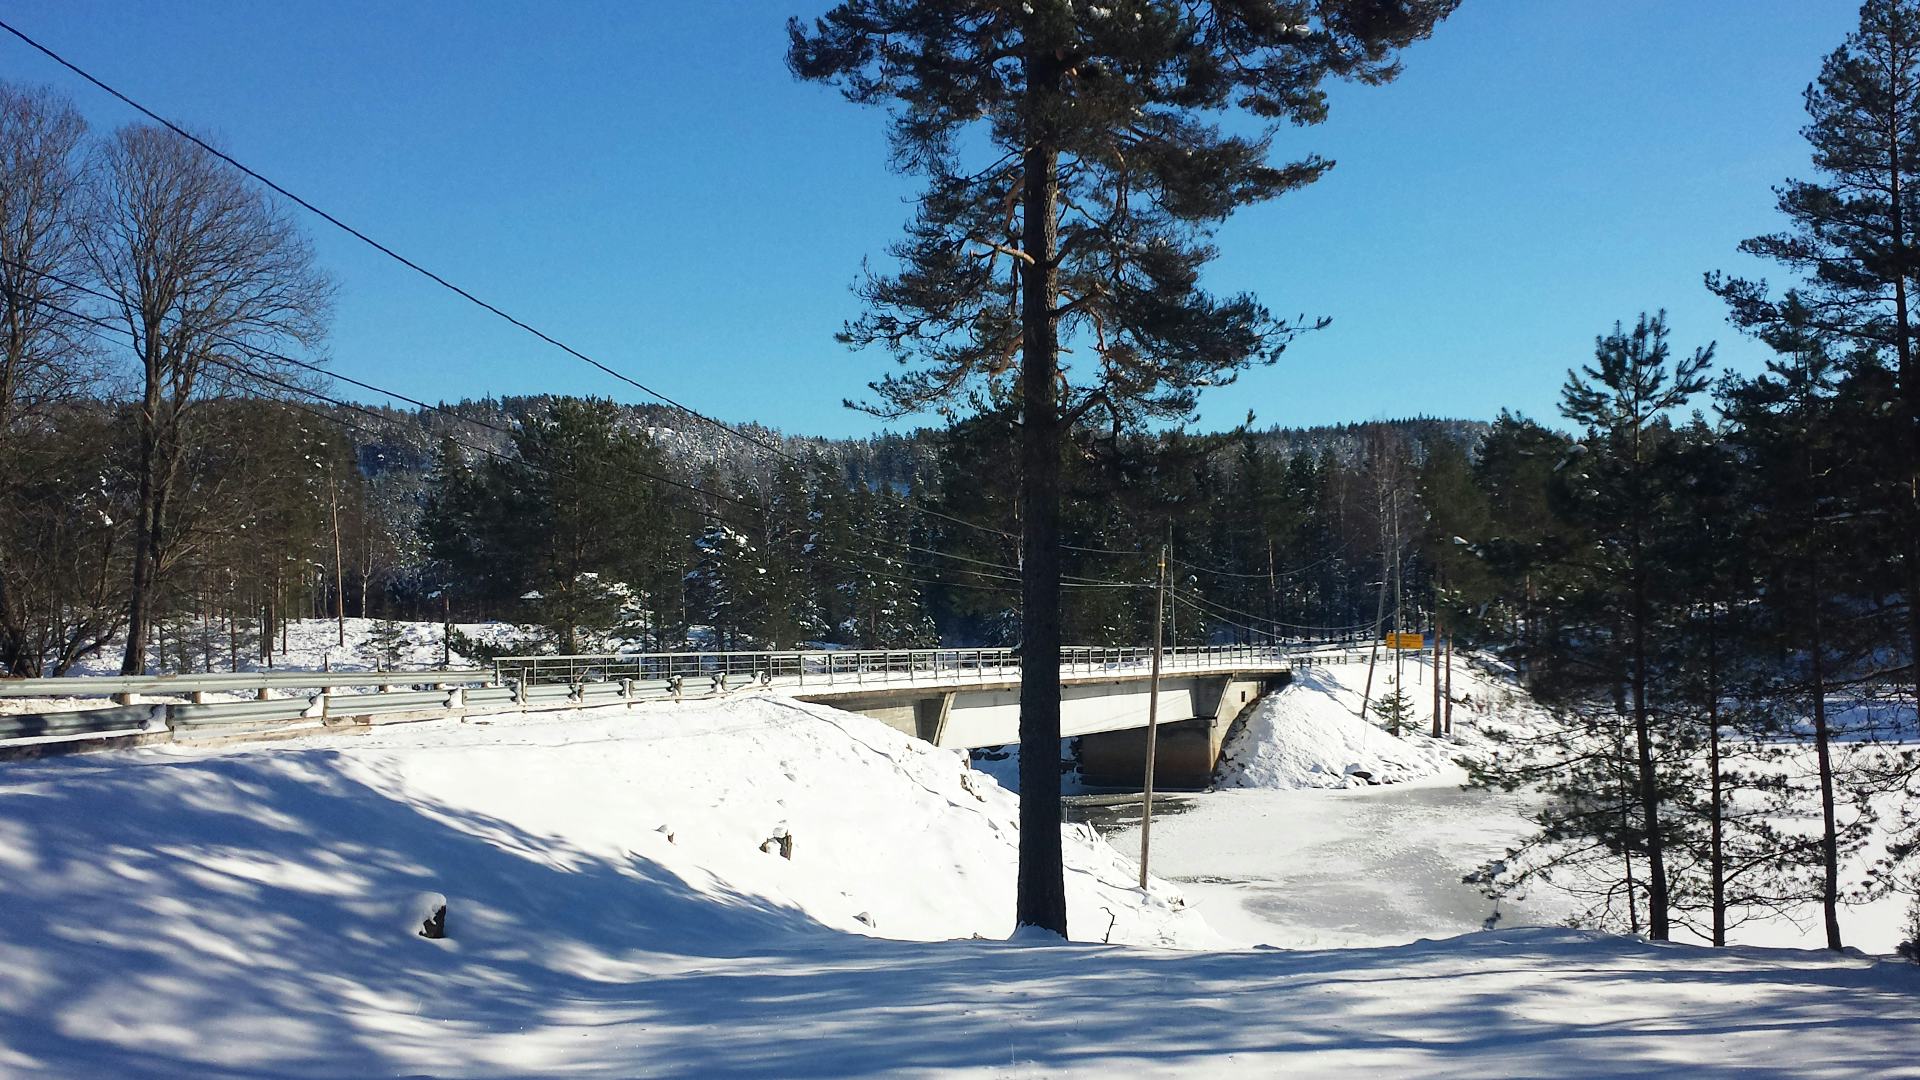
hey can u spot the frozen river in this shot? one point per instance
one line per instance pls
(1318, 868)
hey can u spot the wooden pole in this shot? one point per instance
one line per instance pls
(1436, 670)
(1449, 693)
(339, 573)
(1373, 654)
(1273, 599)
(1153, 722)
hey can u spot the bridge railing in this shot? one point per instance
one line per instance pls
(690, 671)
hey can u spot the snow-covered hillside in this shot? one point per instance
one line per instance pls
(1312, 734)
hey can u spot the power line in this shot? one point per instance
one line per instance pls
(1223, 609)
(1295, 572)
(463, 293)
(98, 326)
(357, 234)
(382, 248)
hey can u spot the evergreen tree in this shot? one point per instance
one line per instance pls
(792, 606)
(1801, 435)
(1851, 240)
(1621, 403)
(568, 529)
(1086, 224)
(726, 589)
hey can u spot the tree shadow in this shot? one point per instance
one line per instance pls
(248, 915)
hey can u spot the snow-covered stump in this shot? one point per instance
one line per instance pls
(427, 916)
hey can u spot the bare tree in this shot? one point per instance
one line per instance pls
(51, 525)
(209, 277)
(40, 197)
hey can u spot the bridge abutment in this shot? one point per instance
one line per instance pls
(1187, 750)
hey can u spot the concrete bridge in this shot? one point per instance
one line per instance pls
(970, 698)
(961, 698)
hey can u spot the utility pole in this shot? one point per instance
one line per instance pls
(1153, 722)
(1373, 654)
(1399, 625)
(339, 575)
(1273, 605)
(1436, 665)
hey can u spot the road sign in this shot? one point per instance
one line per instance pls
(1415, 642)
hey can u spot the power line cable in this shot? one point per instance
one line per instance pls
(443, 282)
(380, 247)
(97, 326)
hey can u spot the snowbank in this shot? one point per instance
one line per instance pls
(1310, 736)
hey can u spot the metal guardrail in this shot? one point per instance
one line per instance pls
(224, 682)
(302, 696)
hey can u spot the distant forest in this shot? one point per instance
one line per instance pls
(598, 524)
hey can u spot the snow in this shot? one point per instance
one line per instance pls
(314, 645)
(254, 911)
(1311, 734)
(1369, 866)
(1288, 865)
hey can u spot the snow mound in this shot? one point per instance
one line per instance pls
(1309, 735)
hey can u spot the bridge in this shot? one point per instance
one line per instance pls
(959, 698)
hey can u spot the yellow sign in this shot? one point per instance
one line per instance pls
(1416, 642)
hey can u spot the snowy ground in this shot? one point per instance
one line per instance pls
(253, 912)
(315, 644)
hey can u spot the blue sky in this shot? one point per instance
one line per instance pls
(645, 181)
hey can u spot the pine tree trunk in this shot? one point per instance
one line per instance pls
(1716, 852)
(1909, 393)
(1041, 897)
(1829, 836)
(1657, 927)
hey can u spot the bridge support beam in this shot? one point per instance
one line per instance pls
(930, 716)
(1183, 760)
(1188, 750)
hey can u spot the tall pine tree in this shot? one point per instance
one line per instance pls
(1085, 219)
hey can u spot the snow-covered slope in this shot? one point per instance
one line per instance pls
(1312, 735)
